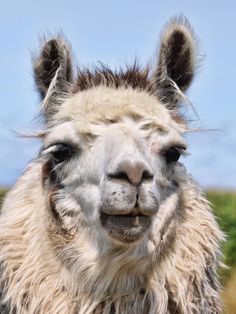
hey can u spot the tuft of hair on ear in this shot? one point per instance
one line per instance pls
(53, 73)
(55, 54)
(177, 62)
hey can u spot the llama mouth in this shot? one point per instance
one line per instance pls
(126, 228)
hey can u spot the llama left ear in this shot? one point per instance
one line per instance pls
(53, 74)
(177, 62)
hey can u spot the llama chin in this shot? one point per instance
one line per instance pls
(106, 218)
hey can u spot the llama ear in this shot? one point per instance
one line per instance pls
(53, 73)
(177, 62)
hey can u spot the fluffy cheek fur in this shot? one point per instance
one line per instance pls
(72, 209)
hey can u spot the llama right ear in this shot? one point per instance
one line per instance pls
(177, 62)
(53, 74)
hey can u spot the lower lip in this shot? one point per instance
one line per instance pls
(126, 219)
(125, 228)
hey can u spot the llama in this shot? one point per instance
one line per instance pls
(106, 218)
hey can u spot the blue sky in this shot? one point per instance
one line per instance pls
(115, 32)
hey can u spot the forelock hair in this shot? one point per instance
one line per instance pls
(133, 76)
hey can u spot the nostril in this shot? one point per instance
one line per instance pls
(120, 175)
(147, 176)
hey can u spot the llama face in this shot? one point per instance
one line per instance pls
(113, 140)
(114, 173)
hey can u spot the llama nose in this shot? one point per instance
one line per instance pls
(132, 172)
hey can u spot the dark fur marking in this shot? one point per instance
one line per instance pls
(173, 307)
(49, 173)
(179, 65)
(46, 171)
(52, 204)
(5, 307)
(133, 76)
(177, 62)
(54, 54)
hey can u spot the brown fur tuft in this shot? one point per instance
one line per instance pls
(133, 76)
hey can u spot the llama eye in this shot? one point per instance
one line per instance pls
(61, 152)
(172, 154)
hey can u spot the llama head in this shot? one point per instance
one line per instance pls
(112, 142)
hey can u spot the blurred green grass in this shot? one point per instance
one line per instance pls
(2, 194)
(224, 205)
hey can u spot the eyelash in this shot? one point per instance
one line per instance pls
(60, 152)
(172, 154)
